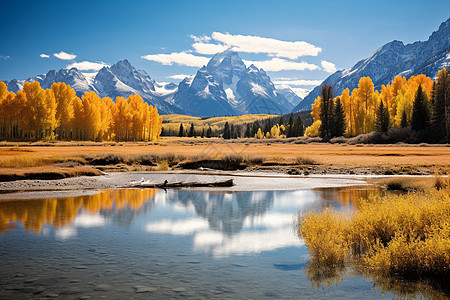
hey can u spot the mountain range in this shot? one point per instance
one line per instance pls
(225, 86)
(392, 59)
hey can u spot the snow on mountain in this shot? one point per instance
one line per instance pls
(121, 79)
(225, 86)
(391, 60)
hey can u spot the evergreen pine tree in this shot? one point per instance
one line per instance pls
(163, 132)
(421, 114)
(298, 127)
(290, 126)
(181, 131)
(226, 131)
(248, 131)
(191, 130)
(339, 123)
(203, 133)
(326, 110)
(382, 119)
(209, 132)
(281, 121)
(404, 120)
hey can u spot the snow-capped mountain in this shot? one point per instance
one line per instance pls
(121, 79)
(225, 86)
(391, 60)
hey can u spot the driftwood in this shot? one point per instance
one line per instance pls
(167, 185)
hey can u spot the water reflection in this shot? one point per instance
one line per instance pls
(85, 211)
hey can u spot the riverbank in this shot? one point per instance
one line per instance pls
(66, 159)
(243, 181)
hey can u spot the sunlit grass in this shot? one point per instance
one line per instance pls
(406, 235)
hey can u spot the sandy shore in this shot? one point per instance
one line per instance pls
(243, 182)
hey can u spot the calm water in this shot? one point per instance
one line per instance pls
(122, 244)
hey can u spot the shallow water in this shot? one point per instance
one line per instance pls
(122, 244)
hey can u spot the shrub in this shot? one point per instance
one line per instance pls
(406, 235)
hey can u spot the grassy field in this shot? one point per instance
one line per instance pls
(315, 157)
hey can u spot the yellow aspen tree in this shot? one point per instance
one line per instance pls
(366, 99)
(38, 106)
(107, 118)
(23, 114)
(346, 102)
(137, 111)
(121, 118)
(64, 96)
(50, 118)
(77, 123)
(91, 105)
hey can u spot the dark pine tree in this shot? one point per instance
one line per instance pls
(181, 131)
(248, 131)
(420, 118)
(290, 129)
(382, 119)
(326, 110)
(203, 133)
(404, 120)
(209, 132)
(339, 122)
(226, 131)
(191, 130)
(298, 127)
(281, 121)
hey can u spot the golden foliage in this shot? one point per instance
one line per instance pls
(397, 234)
(58, 113)
(60, 212)
(360, 106)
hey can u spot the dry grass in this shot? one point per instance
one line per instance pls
(407, 235)
(46, 172)
(344, 158)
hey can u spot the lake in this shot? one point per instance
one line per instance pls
(132, 243)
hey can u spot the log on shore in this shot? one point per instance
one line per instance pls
(181, 184)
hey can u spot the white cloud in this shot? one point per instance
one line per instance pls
(64, 56)
(301, 92)
(301, 82)
(180, 58)
(203, 48)
(328, 66)
(198, 39)
(5, 57)
(43, 55)
(257, 44)
(87, 65)
(179, 76)
(280, 64)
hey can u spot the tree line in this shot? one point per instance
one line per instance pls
(419, 103)
(57, 113)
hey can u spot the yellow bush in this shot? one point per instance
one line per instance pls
(398, 234)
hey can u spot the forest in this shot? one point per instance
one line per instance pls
(35, 114)
(418, 103)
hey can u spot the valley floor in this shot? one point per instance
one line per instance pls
(70, 159)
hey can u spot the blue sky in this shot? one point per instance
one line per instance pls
(294, 40)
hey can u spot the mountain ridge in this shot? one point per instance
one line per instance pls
(392, 59)
(225, 86)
